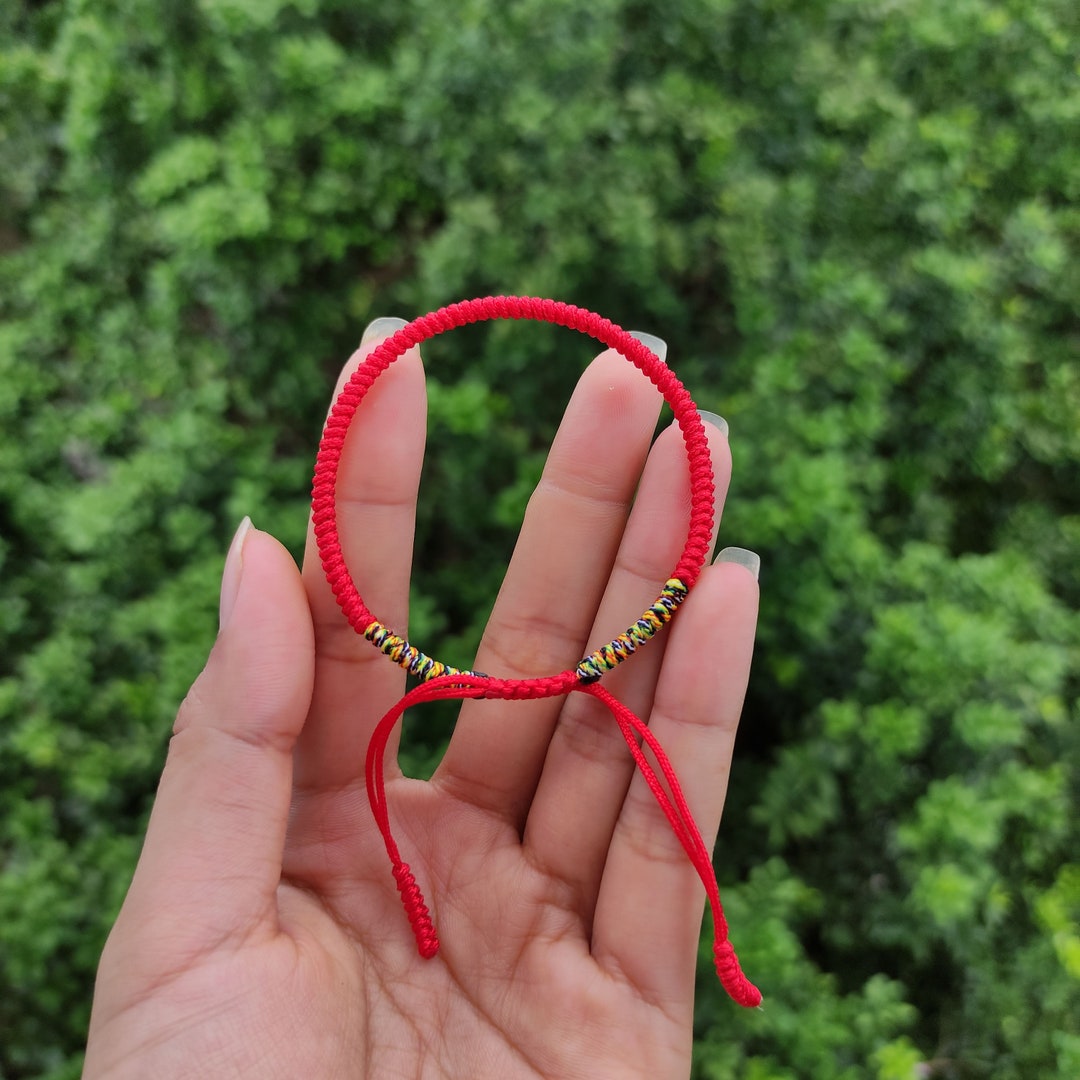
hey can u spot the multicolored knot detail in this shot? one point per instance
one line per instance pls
(616, 651)
(408, 656)
(439, 681)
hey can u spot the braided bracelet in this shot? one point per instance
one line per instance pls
(441, 681)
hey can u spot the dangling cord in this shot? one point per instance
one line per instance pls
(739, 988)
(427, 941)
(674, 807)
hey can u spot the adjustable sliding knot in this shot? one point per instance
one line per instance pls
(439, 681)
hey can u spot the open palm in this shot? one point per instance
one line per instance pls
(263, 935)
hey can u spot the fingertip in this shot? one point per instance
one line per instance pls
(714, 630)
(261, 668)
(744, 557)
(715, 420)
(230, 578)
(657, 344)
(381, 328)
(269, 635)
(374, 335)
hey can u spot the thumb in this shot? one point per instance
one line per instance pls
(211, 863)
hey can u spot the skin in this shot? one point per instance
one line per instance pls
(262, 935)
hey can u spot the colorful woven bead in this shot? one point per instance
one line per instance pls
(654, 619)
(408, 656)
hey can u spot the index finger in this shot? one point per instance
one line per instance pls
(377, 486)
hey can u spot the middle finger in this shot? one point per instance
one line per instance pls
(553, 586)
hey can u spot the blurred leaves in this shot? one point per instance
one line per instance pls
(856, 226)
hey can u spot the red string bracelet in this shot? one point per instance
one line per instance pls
(441, 681)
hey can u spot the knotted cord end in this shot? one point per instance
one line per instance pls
(740, 989)
(427, 941)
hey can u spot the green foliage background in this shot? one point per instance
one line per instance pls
(856, 224)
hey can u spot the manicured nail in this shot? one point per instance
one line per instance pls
(382, 328)
(234, 569)
(715, 419)
(744, 557)
(651, 341)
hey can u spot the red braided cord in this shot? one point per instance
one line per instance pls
(699, 533)
(472, 685)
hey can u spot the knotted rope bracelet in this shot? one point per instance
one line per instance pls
(440, 681)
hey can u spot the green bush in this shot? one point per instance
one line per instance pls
(856, 225)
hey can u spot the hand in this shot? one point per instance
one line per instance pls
(263, 936)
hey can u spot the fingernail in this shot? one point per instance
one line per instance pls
(651, 341)
(743, 556)
(234, 568)
(381, 328)
(715, 419)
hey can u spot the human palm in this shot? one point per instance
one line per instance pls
(263, 935)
